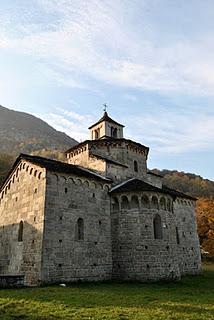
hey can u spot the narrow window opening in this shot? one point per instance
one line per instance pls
(115, 204)
(80, 229)
(20, 232)
(114, 132)
(135, 166)
(158, 234)
(97, 133)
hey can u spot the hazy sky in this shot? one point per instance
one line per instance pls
(151, 61)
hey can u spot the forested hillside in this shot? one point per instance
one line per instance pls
(23, 132)
(189, 183)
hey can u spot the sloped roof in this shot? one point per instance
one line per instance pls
(105, 117)
(56, 166)
(154, 174)
(139, 185)
(107, 159)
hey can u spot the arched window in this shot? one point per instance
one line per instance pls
(134, 202)
(157, 226)
(114, 132)
(115, 204)
(135, 166)
(154, 203)
(97, 133)
(145, 202)
(124, 203)
(20, 232)
(177, 236)
(163, 203)
(80, 229)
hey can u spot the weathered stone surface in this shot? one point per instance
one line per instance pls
(60, 223)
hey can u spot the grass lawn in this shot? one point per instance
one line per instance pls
(192, 298)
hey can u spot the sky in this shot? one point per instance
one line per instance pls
(150, 61)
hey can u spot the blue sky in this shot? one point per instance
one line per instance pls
(151, 61)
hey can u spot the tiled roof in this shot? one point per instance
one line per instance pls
(139, 185)
(105, 117)
(108, 160)
(154, 174)
(57, 166)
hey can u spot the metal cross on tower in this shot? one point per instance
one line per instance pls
(105, 107)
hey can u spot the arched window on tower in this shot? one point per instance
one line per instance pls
(135, 166)
(80, 229)
(20, 232)
(157, 226)
(97, 133)
(113, 132)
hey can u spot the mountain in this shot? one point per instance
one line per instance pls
(23, 132)
(189, 183)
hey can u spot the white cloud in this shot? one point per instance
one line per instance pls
(73, 124)
(168, 132)
(96, 38)
(130, 97)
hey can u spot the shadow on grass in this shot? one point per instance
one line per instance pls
(192, 298)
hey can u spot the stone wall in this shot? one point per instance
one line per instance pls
(22, 203)
(188, 247)
(66, 257)
(132, 159)
(137, 253)
(124, 153)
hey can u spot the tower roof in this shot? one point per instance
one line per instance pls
(105, 117)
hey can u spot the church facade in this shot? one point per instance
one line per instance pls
(100, 215)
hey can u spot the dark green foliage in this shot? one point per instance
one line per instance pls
(23, 133)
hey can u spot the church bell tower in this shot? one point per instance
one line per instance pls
(106, 128)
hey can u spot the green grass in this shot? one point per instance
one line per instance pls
(192, 298)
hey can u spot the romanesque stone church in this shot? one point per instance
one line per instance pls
(101, 215)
